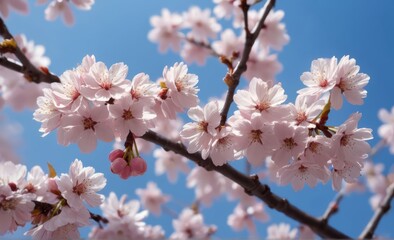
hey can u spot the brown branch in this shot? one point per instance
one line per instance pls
(332, 207)
(11, 65)
(384, 207)
(28, 69)
(250, 38)
(252, 186)
(203, 45)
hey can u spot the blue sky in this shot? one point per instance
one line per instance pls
(116, 31)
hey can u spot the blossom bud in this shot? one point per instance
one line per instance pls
(118, 165)
(117, 153)
(138, 166)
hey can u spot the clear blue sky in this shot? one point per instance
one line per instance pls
(116, 31)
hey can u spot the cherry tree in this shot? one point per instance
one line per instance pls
(231, 141)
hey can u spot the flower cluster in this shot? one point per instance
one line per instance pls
(194, 34)
(54, 205)
(93, 102)
(296, 137)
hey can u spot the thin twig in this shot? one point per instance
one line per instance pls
(28, 69)
(241, 66)
(203, 45)
(251, 185)
(384, 207)
(332, 207)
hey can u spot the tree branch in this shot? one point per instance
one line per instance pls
(383, 209)
(251, 185)
(241, 66)
(332, 207)
(28, 69)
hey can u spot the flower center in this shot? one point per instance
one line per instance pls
(89, 123)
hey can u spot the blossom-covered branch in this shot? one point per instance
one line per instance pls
(30, 72)
(233, 78)
(252, 186)
(379, 213)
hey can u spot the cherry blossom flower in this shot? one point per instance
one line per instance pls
(281, 231)
(321, 78)
(199, 134)
(254, 137)
(349, 82)
(224, 8)
(262, 65)
(68, 92)
(349, 143)
(306, 109)
(130, 115)
(318, 150)
(15, 209)
(81, 184)
(386, 130)
(169, 163)
(36, 183)
(190, 225)
(166, 30)
(12, 174)
(152, 198)
(202, 25)
(47, 113)
(83, 4)
(292, 142)
(350, 172)
(301, 172)
(274, 32)
(194, 53)
(86, 126)
(207, 185)
(102, 83)
(229, 43)
(243, 217)
(263, 99)
(59, 7)
(181, 85)
(222, 146)
(18, 5)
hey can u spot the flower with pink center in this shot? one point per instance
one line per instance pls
(349, 142)
(81, 184)
(199, 134)
(15, 209)
(262, 98)
(228, 44)
(87, 63)
(262, 65)
(170, 163)
(306, 109)
(18, 5)
(67, 93)
(281, 231)
(166, 30)
(350, 172)
(59, 8)
(36, 183)
(180, 85)
(386, 130)
(349, 83)
(190, 225)
(222, 146)
(130, 115)
(300, 172)
(152, 198)
(202, 25)
(291, 141)
(321, 78)
(224, 8)
(318, 150)
(243, 217)
(194, 53)
(254, 138)
(12, 174)
(142, 89)
(86, 126)
(119, 210)
(206, 185)
(103, 83)
(273, 33)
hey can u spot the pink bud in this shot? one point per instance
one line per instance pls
(118, 165)
(138, 166)
(117, 153)
(125, 174)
